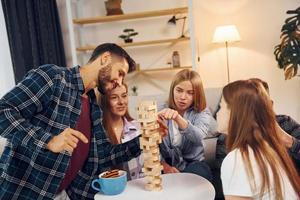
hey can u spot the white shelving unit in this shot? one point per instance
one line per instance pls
(77, 23)
(130, 16)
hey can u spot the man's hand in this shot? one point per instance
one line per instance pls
(66, 141)
(169, 169)
(286, 139)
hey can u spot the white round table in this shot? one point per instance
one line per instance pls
(178, 186)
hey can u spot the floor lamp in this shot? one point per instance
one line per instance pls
(226, 34)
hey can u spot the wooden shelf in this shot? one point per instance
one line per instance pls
(164, 69)
(142, 43)
(129, 16)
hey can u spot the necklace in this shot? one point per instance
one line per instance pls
(119, 131)
(118, 128)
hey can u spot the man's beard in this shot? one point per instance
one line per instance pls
(104, 78)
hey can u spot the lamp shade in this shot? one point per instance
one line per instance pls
(227, 33)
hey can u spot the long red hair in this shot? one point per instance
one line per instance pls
(252, 124)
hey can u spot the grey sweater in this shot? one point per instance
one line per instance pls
(200, 126)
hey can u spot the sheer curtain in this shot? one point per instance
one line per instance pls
(34, 34)
(7, 80)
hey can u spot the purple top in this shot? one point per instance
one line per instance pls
(133, 167)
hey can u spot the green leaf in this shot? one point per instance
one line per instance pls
(133, 34)
(123, 36)
(128, 30)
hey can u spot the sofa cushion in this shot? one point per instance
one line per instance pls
(213, 98)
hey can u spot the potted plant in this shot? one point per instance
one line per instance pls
(128, 33)
(134, 90)
(287, 53)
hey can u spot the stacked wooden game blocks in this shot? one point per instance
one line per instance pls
(147, 116)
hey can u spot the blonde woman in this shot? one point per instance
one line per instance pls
(257, 165)
(189, 122)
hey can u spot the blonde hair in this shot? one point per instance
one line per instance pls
(107, 117)
(199, 102)
(252, 124)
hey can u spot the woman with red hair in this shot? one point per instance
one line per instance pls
(258, 165)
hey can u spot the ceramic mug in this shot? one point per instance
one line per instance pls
(110, 186)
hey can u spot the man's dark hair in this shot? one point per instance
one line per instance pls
(115, 50)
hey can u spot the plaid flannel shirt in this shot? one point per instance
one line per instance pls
(290, 126)
(41, 106)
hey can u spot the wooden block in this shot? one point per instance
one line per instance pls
(149, 132)
(149, 156)
(157, 181)
(155, 166)
(147, 105)
(155, 155)
(152, 187)
(145, 141)
(152, 150)
(147, 111)
(151, 125)
(155, 171)
(148, 144)
(143, 147)
(154, 139)
(146, 119)
(151, 172)
(143, 144)
(147, 116)
(151, 163)
(154, 179)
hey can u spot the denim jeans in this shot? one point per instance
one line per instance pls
(199, 168)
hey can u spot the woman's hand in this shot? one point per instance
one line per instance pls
(170, 114)
(169, 169)
(163, 128)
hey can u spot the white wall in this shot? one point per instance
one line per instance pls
(6, 70)
(259, 23)
(156, 28)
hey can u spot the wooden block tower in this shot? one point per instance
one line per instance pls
(147, 116)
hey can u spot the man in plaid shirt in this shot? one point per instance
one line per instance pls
(42, 119)
(290, 131)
